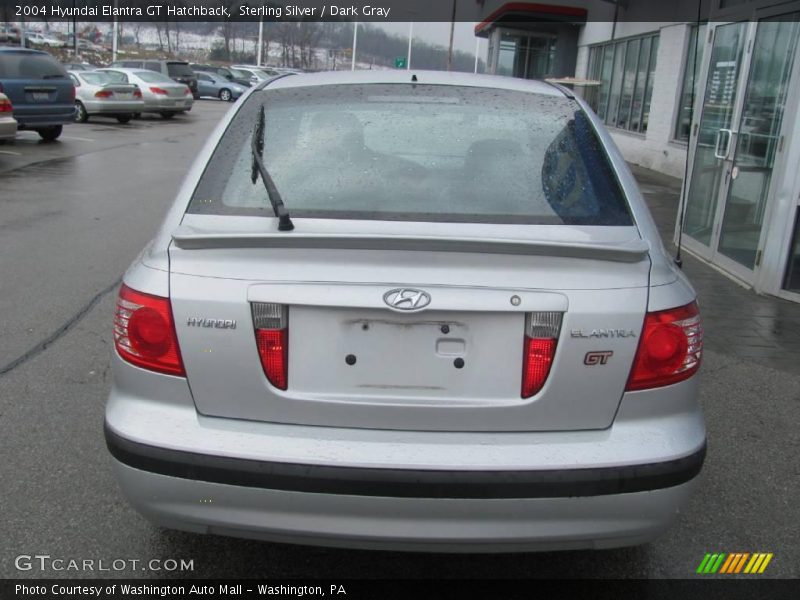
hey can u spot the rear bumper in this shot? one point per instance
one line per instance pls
(45, 119)
(113, 107)
(405, 483)
(8, 129)
(434, 491)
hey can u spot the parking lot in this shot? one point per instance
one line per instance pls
(74, 213)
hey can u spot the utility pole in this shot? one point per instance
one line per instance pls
(477, 47)
(114, 35)
(452, 32)
(260, 40)
(355, 43)
(410, 37)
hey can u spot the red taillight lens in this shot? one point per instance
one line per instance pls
(72, 93)
(5, 106)
(272, 339)
(187, 92)
(144, 332)
(137, 93)
(103, 94)
(539, 349)
(670, 348)
(158, 90)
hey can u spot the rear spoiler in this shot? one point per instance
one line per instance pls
(630, 251)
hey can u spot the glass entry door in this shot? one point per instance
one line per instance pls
(737, 140)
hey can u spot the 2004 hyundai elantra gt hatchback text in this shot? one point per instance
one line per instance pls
(425, 312)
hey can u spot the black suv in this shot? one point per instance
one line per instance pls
(178, 70)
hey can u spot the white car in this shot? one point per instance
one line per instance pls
(8, 124)
(408, 310)
(40, 39)
(96, 93)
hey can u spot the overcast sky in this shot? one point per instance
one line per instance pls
(439, 33)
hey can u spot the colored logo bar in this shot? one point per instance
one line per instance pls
(734, 563)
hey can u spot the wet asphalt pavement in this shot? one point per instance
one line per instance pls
(72, 217)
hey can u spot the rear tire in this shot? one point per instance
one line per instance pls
(167, 115)
(225, 95)
(51, 134)
(81, 116)
(124, 119)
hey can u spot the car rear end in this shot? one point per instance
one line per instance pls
(181, 72)
(101, 96)
(471, 340)
(8, 124)
(163, 95)
(39, 88)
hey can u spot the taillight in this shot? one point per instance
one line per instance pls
(103, 94)
(144, 332)
(539, 349)
(271, 323)
(5, 106)
(670, 348)
(137, 93)
(158, 90)
(187, 91)
(72, 92)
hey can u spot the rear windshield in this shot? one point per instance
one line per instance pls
(238, 73)
(416, 153)
(25, 65)
(177, 69)
(153, 77)
(96, 78)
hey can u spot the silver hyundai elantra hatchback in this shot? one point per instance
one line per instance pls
(422, 311)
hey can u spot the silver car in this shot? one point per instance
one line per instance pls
(97, 94)
(161, 94)
(8, 124)
(424, 311)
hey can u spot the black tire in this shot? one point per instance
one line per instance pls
(167, 115)
(51, 134)
(124, 119)
(225, 95)
(81, 116)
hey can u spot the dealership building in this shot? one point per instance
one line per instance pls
(713, 98)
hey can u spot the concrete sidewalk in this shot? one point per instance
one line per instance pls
(737, 321)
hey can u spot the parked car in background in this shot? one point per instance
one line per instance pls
(8, 124)
(96, 93)
(256, 75)
(228, 73)
(211, 84)
(9, 34)
(41, 39)
(161, 94)
(83, 44)
(40, 90)
(265, 72)
(177, 70)
(423, 313)
(79, 66)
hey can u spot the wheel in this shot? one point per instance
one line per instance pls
(50, 134)
(225, 95)
(81, 116)
(137, 115)
(167, 115)
(124, 118)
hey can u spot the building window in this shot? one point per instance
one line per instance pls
(626, 70)
(691, 71)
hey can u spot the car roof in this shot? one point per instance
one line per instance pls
(10, 49)
(420, 77)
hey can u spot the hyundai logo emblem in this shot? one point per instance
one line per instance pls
(407, 299)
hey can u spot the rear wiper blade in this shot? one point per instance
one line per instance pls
(257, 145)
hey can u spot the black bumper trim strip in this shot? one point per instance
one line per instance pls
(404, 483)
